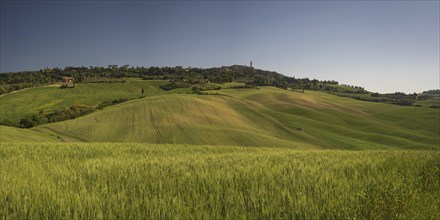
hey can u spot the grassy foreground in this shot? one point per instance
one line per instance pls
(108, 180)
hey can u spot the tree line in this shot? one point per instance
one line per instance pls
(19, 80)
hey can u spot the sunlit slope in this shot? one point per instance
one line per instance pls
(12, 134)
(178, 118)
(344, 122)
(17, 105)
(266, 116)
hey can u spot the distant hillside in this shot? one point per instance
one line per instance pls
(236, 73)
(16, 106)
(266, 116)
(234, 105)
(184, 119)
(180, 77)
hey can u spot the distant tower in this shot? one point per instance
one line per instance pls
(251, 63)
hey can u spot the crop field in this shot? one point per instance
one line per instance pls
(266, 116)
(339, 122)
(131, 181)
(16, 105)
(181, 119)
(12, 134)
(259, 153)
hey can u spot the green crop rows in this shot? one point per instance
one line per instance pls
(132, 181)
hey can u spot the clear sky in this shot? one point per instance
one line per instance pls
(384, 46)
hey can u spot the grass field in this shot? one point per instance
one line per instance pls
(15, 106)
(178, 118)
(266, 116)
(344, 122)
(434, 101)
(12, 134)
(132, 181)
(233, 154)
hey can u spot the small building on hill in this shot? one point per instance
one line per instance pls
(47, 70)
(205, 81)
(68, 79)
(68, 82)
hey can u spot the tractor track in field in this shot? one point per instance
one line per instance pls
(131, 125)
(153, 123)
(182, 131)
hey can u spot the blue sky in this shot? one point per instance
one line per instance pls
(384, 46)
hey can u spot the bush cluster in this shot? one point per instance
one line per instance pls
(71, 112)
(110, 103)
(404, 100)
(175, 85)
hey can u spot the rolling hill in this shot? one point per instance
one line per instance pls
(345, 122)
(258, 117)
(21, 103)
(263, 116)
(12, 134)
(179, 118)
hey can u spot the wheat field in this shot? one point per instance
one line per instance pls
(132, 181)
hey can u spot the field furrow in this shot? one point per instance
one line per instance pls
(153, 123)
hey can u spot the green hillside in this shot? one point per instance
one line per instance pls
(16, 105)
(184, 119)
(345, 122)
(12, 134)
(266, 116)
(433, 101)
(263, 116)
